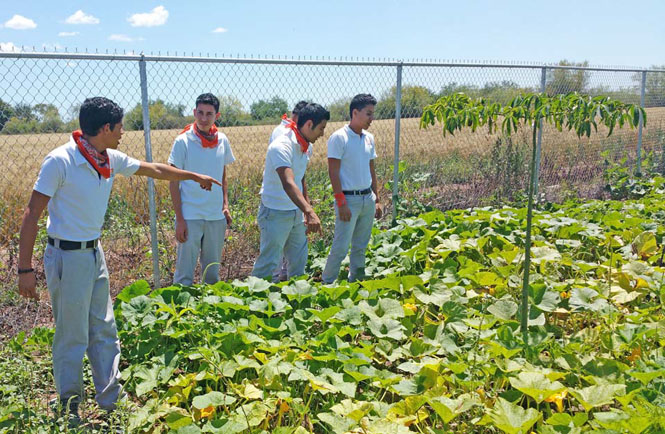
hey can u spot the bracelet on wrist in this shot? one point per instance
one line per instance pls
(340, 198)
(25, 270)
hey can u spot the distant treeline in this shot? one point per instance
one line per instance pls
(45, 118)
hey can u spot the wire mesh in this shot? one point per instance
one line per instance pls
(40, 97)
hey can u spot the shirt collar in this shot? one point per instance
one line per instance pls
(292, 137)
(350, 131)
(79, 159)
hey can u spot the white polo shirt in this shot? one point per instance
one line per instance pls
(279, 130)
(79, 196)
(354, 152)
(189, 154)
(284, 151)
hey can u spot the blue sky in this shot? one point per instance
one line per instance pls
(603, 32)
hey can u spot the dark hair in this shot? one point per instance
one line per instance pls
(312, 112)
(361, 101)
(298, 107)
(96, 112)
(208, 98)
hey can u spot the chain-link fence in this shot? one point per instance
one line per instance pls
(41, 93)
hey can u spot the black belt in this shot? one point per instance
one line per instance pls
(72, 245)
(357, 192)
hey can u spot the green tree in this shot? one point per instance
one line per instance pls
(339, 110)
(48, 118)
(571, 111)
(16, 125)
(162, 116)
(24, 112)
(562, 81)
(231, 112)
(6, 112)
(502, 92)
(414, 99)
(272, 109)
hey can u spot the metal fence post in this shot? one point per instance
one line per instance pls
(539, 140)
(398, 117)
(151, 183)
(639, 128)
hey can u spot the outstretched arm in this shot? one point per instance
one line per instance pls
(170, 173)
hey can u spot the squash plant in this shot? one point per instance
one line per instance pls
(571, 111)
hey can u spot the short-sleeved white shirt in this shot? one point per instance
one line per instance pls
(354, 152)
(188, 153)
(279, 130)
(79, 196)
(284, 151)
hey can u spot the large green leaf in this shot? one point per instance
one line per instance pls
(536, 385)
(386, 328)
(598, 395)
(512, 418)
(503, 309)
(214, 399)
(447, 409)
(140, 287)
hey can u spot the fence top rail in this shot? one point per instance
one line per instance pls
(310, 61)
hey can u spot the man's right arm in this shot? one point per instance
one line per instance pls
(26, 281)
(291, 188)
(334, 165)
(180, 224)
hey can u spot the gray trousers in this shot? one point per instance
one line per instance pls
(78, 283)
(355, 232)
(282, 233)
(205, 238)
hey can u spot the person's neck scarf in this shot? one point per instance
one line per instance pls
(304, 144)
(209, 139)
(98, 160)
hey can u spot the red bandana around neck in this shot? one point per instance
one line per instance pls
(304, 144)
(98, 160)
(209, 139)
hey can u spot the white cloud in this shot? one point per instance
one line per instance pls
(156, 17)
(9, 47)
(81, 17)
(19, 22)
(220, 30)
(68, 33)
(120, 38)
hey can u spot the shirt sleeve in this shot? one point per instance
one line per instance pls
(51, 177)
(372, 155)
(280, 155)
(336, 146)
(228, 152)
(124, 165)
(178, 154)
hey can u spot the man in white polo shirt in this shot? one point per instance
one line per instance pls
(75, 182)
(284, 207)
(351, 155)
(280, 273)
(201, 218)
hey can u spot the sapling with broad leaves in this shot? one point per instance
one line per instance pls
(573, 112)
